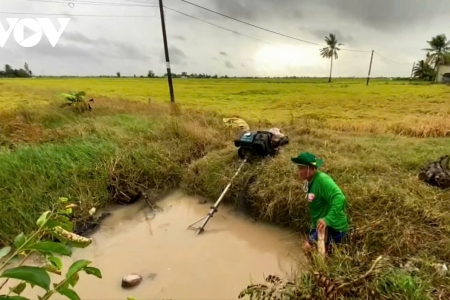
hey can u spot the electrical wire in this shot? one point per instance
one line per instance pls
(215, 25)
(271, 31)
(70, 15)
(141, 2)
(390, 60)
(93, 3)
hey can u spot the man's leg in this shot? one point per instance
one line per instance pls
(312, 239)
(334, 237)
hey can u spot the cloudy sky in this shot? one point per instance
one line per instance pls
(103, 38)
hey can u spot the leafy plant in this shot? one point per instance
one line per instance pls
(55, 224)
(77, 100)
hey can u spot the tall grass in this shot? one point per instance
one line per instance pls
(146, 146)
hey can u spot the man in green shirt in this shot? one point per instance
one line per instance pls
(325, 199)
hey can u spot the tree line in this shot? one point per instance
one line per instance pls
(21, 73)
(438, 53)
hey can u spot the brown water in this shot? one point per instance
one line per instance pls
(173, 261)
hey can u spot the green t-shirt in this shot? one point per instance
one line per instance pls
(326, 201)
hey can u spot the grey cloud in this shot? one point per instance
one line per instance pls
(76, 37)
(229, 65)
(60, 51)
(397, 29)
(320, 34)
(125, 51)
(258, 10)
(108, 48)
(377, 14)
(176, 56)
(387, 15)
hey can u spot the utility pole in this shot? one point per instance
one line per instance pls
(370, 68)
(412, 72)
(166, 50)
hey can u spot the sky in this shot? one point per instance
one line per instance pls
(103, 38)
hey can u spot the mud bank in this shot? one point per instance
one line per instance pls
(173, 261)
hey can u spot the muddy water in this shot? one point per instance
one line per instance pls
(173, 261)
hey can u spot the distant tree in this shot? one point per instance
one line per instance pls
(424, 71)
(151, 74)
(331, 50)
(9, 72)
(439, 51)
(27, 69)
(118, 74)
(21, 73)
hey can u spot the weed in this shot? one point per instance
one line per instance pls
(53, 223)
(77, 101)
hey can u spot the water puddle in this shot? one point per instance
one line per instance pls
(173, 261)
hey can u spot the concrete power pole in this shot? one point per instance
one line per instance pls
(166, 50)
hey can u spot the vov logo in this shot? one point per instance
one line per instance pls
(38, 27)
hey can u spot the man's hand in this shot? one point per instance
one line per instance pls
(321, 225)
(306, 247)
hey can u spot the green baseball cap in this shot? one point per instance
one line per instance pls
(307, 159)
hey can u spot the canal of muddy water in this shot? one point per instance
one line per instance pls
(173, 261)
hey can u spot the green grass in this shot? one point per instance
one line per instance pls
(373, 139)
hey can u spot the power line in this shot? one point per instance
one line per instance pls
(71, 15)
(265, 29)
(390, 60)
(233, 31)
(93, 3)
(141, 2)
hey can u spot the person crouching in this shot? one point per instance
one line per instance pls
(326, 202)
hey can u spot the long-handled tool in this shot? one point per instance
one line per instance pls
(216, 205)
(251, 146)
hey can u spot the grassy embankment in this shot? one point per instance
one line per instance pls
(373, 140)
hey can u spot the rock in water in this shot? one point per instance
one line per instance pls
(131, 280)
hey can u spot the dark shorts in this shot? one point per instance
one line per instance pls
(333, 236)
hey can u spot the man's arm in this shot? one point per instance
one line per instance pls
(336, 199)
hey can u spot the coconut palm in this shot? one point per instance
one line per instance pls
(331, 50)
(423, 70)
(439, 51)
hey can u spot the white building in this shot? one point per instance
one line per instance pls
(443, 74)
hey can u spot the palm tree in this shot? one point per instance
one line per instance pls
(423, 70)
(331, 50)
(439, 51)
